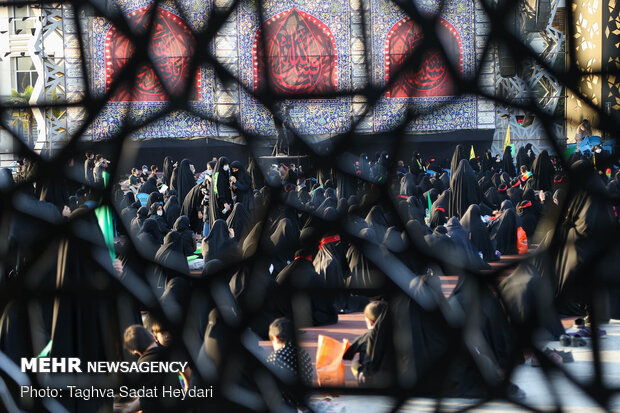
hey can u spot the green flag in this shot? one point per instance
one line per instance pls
(46, 351)
(430, 204)
(106, 222)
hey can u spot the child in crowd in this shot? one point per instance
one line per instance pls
(360, 366)
(140, 342)
(287, 356)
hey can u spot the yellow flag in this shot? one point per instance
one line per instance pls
(507, 139)
(472, 154)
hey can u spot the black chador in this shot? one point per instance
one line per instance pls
(220, 195)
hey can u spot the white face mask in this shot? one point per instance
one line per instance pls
(226, 168)
(209, 172)
(160, 212)
(191, 168)
(598, 151)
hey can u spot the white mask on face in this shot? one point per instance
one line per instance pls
(160, 212)
(598, 150)
(226, 168)
(209, 172)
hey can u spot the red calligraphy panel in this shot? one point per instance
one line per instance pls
(432, 77)
(301, 55)
(171, 47)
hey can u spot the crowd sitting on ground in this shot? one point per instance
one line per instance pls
(264, 232)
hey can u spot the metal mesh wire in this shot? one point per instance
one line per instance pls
(33, 246)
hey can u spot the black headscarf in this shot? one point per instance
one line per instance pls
(149, 238)
(218, 244)
(149, 186)
(181, 225)
(128, 199)
(127, 214)
(515, 194)
(185, 179)
(244, 191)
(530, 195)
(439, 209)
(487, 161)
(138, 221)
(464, 248)
(503, 232)
(493, 198)
(170, 258)
(155, 196)
(478, 234)
(161, 220)
(425, 183)
(172, 210)
(316, 198)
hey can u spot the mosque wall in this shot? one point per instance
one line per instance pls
(312, 49)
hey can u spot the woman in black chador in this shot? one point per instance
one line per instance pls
(578, 240)
(219, 244)
(185, 179)
(298, 275)
(478, 233)
(220, 196)
(464, 190)
(503, 231)
(80, 326)
(168, 166)
(543, 172)
(240, 222)
(149, 238)
(172, 210)
(171, 260)
(181, 225)
(241, 184)
(136, 223)
(458, 155)
(362, 272)
(508, 165)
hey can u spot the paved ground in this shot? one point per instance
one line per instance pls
(528, 378)
(532, 381)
